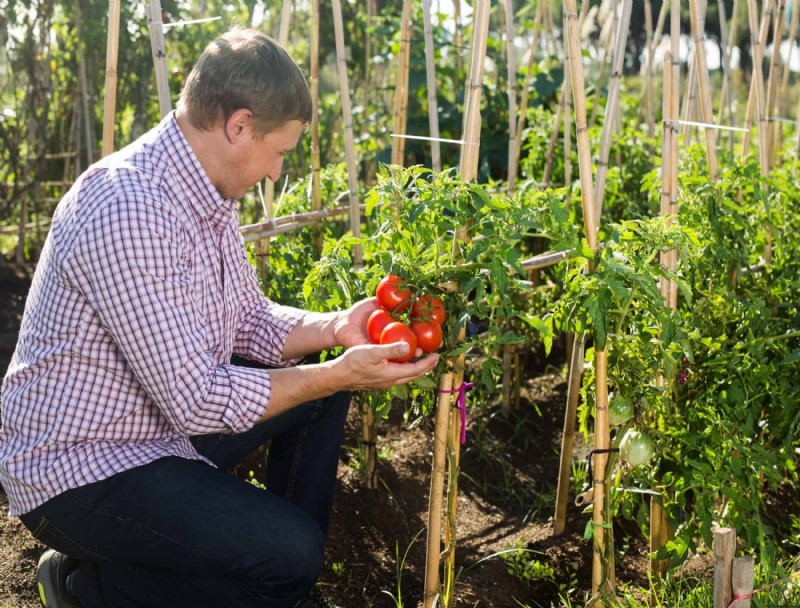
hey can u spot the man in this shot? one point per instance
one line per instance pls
(122, 407)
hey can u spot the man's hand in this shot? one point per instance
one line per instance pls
(350, 327)
(367, 367)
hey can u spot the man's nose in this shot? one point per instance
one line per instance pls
(275, 173)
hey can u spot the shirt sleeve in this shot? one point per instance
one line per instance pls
(263, 324)
(133, 262)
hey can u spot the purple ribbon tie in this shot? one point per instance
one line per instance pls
(461, 404)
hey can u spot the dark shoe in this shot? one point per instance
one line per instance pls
(51, 580)
(315, 599)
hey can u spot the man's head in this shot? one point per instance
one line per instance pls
(246, 69)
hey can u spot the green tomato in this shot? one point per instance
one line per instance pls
(620, 410)
(636, 447)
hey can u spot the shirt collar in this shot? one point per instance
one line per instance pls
(195, 182)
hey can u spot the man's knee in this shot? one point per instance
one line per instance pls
(288, 574)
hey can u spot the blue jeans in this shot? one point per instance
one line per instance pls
(179, 533)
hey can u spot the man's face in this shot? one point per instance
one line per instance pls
(254, 159)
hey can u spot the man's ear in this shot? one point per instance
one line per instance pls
(237, 123)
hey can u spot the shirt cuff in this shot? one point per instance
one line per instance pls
(250, 392)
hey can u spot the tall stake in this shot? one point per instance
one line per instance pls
(772, 84)
(513, 135)
(110, 102)
(788, 70)
(523, 102)
(705, 88)
(159, 50)
(316, 188)
(446, 417)
(612, 104)
(401, 86)
(726, 38)
(602, 563)
(756, 104)
(430, 73)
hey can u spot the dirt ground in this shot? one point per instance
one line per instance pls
(376, 551)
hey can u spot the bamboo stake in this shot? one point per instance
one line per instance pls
(649, 94)
(437, 485)
(261, 248)
(560, 111)
(430, 73)
(349, 146)
(468, 168)
(612, 105)
(513, 134)
(601, 429)
(110, 101)
(159, 50)
(401, 86)
(755, 102)
(726, 98)
(568, 435)
(772, 83)
(87, 122)
(567, 116)
(608, 29)
(316, 188)
(523, 102)
(788, 70)
(651, 50)
(705, 88)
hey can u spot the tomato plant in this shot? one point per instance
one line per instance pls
(400, 332)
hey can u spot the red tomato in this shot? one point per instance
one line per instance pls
(375, 324)
(400, 332)
(392, 295)
(428, 308)
(429, 335)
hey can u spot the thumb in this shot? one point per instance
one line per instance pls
(395, 350)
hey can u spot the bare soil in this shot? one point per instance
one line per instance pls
(376, 550)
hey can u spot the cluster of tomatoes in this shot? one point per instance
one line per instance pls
(425, 315)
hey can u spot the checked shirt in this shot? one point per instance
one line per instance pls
(142, 294)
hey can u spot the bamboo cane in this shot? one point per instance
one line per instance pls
(608, 29)
(316, 188)
(430, 73)
(726, 98)
(612, 105)
(87, 122)
(110, 101)
(159, 50)
(261, 247)
(468, 168)
(705, 88)
(401, 86)
(772, 83)
(523, 102)
(560, 111)
(567, 116)
(788, 70)
(755, 101)
(437, 485)
(568, 435)
(513, 134)
(601, 429)
(655, 38)
(649, 94)
(349, 146)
